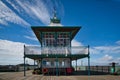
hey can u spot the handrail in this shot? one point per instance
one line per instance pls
(56, 50)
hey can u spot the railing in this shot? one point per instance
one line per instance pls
(37, 50)
(56, 50)
(100, 68)
(79, 50)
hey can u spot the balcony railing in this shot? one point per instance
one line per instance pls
(36, 50)
(56, 50)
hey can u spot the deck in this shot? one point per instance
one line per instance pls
(19, 76)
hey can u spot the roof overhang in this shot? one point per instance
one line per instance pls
(38, 29)
(71, 56)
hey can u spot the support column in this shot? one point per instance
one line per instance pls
(24, 67)
(41, 64)
(76, 64)
(56, 66)
(88, 66)
(88, 62)
(70, 62)
(34, 63)
(24, 62)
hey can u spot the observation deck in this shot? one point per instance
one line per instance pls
(37, 52)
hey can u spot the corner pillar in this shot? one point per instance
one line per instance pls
(24, 63)
(88, 62)
(76, 64)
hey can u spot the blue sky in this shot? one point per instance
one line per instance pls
(100, 21)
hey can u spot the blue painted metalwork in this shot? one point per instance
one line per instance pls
(57, 66)
(88, 62)
(24, 62)
(76, 64)
(34, 63)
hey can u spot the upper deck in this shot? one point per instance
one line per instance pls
(37, 52)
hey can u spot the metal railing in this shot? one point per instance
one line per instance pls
(56, 50)
(37, 50)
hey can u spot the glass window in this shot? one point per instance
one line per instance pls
(48, 63)
(53, 39)
(44, 62)
(48, 39)
(63, 63)
(63, 39)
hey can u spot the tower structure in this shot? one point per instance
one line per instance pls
(56, 54)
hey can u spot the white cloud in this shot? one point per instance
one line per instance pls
(105, 49)
(118, 42)
(3, 22)
(106, 58)
(23, 11)
(76, 43)
(31, 38)
(35, 9)
(11, 52)
(108, 53)
(7, 15)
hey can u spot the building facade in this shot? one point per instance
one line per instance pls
(55, 55)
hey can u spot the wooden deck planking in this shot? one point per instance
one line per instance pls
(29, 76)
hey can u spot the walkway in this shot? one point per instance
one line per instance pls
(19, 76)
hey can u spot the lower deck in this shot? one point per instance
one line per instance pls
(78, 76)
(56, 57)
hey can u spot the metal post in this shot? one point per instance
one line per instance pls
(88, 66)
(70, 62)
(24, 62)
(24, 67)
(41, 39)
(56, 66)
(41, 64)
(34, 63)
(108, 69)
(76, 64)
(88, 62)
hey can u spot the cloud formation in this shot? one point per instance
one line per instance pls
(8, 16)
(27, 10)
(34, 9)
(105, 50)
(11, 52)
(31, 38)
(104, 53)
(106, 58)
(118, 42)
(76, 43)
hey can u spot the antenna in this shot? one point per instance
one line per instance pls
(54, 13)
